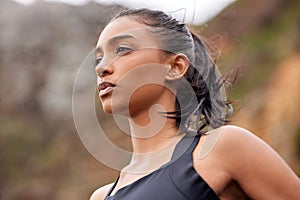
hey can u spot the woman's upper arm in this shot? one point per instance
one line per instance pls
(257, 167)
(101, 192)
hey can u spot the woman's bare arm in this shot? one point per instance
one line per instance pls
(258, 169)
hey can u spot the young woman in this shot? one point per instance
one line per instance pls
(156, 72)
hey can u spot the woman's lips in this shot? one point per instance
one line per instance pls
(105, 91)
(105, 87)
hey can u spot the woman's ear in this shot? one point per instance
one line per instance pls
(179, 65)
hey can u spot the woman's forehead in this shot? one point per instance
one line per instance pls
(120, 26)
(124, 27)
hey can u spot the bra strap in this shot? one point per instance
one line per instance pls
(186, 145)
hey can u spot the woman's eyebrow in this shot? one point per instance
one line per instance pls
(120, 37)
(115, 39)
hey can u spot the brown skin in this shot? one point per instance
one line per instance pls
(238, 162)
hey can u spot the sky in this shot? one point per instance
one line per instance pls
(187, 11)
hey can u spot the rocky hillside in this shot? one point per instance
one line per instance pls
(42, 47)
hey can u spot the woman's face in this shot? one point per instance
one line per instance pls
(130, 69)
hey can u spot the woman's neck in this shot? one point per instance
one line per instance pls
(151, 154)
(153, 141)
(153, 135)
(151, 130)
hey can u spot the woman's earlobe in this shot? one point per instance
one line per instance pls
(179, 64)
(173, 75)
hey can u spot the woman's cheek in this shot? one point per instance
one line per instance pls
(138, 89)
(145, 96)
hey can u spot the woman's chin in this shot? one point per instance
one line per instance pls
(107, 111)
(106, 106)
(113, 110)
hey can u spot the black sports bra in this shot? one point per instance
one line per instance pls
(176, 180)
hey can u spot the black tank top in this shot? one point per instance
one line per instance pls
(176, 180)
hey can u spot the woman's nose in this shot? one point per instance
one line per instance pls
(103, 71)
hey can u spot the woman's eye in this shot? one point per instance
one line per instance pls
(121, 50)
(98, 60)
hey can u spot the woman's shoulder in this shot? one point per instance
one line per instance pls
(230, 150)
(233, 143)
(229, 136)
(225, 139)
(101, 192)
(246, 158)
(230, 131)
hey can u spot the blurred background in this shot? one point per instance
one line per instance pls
(43, 45)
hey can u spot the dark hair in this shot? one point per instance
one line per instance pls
(211, 108)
